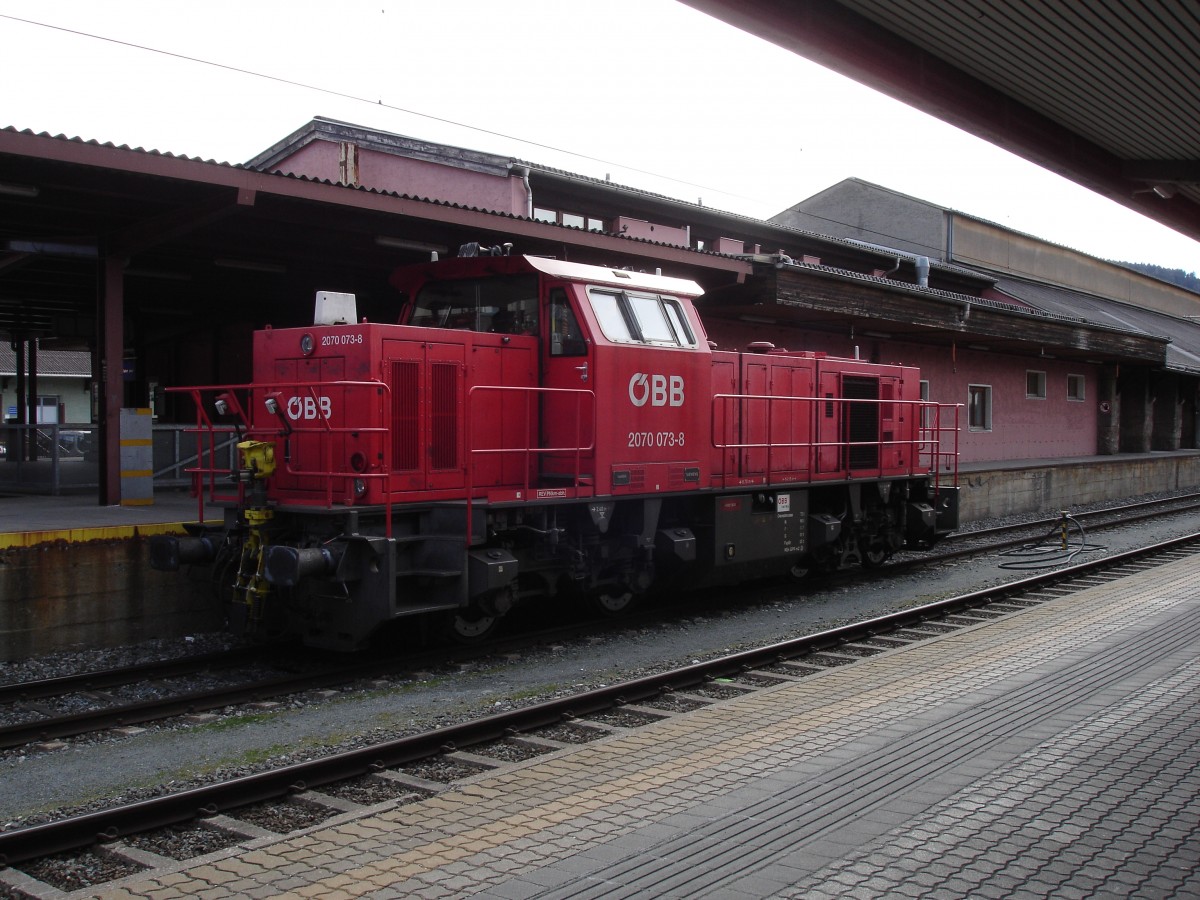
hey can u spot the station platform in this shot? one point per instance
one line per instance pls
(1050, 753)
(27, 520)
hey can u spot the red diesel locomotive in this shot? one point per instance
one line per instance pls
(533, 427)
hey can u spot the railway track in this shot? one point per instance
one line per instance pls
(470, 745)
(1110, 516)
(257, 676)
(1065, 533)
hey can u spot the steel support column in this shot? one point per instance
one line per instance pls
(112, 346)
(20, 442)
(32, 406)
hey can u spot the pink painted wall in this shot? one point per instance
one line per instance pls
(1021, 428)
(664, 234)
(415, 177)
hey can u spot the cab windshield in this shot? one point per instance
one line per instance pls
(504, 305)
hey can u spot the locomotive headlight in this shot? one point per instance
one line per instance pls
(360, 487)
(307, 344)
(273, 408)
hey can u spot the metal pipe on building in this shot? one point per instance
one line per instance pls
(523, 171)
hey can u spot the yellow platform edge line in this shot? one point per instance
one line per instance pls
(19, 539)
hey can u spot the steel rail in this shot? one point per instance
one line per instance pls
(1186, 502)
(101, 679)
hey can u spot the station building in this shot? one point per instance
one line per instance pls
(64, 389)
(156, 269)
(1052, 353)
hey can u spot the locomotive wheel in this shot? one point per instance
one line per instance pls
(466, 626)
(799, 572)
(876, 556)
(613, 601)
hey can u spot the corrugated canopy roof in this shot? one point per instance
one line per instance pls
(1183, 353)
(72, 363)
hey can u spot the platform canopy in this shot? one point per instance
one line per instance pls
(1103, 92)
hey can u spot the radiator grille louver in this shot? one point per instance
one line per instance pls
(405, 416)
(444, 415)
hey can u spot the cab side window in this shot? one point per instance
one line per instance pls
(626, 317)
(566, 338)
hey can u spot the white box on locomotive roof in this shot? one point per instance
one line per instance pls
(334, 308)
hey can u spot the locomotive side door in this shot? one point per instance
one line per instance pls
(426, 381)
(568, 405)
(830, 457)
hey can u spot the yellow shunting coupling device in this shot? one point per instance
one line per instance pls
(251, 587)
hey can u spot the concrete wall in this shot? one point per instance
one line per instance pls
(1066, 485)
(976, 243)
(61, 596)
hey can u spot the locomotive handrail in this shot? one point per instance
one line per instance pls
(928, 442)
(245, 427)
(385, 472)
(578, 449)
(937, 454)
(528, 451)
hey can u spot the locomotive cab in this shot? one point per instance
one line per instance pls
(616, 353)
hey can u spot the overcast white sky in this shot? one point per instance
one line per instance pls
(650, 92)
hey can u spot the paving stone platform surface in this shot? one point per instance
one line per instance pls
(1051, 753)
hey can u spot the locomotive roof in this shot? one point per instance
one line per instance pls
(474, 266)
(617, 277)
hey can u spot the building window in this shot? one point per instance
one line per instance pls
(926, 412)
(1075, 386)
(1035, 385)
(571, 220)
(979, 407)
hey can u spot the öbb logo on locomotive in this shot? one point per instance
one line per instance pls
(309, 408)
(659, 390)
(444, 466)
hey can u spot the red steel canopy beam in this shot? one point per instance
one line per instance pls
(112, 349)
(248, 181)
